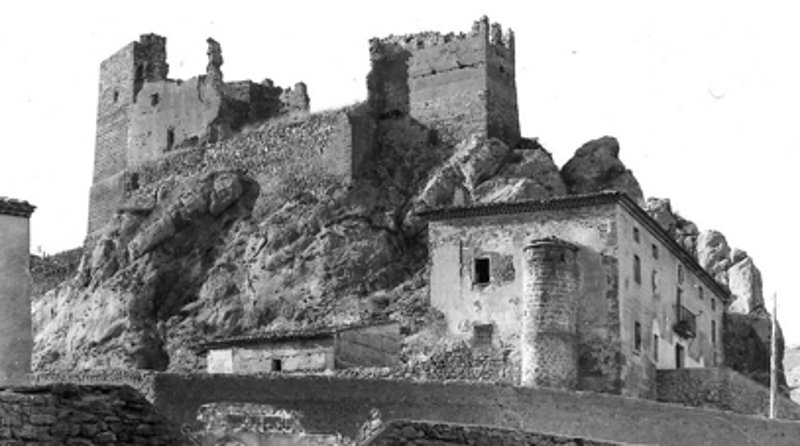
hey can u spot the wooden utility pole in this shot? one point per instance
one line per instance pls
(773, 366)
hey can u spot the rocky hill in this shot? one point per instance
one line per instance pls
(219, 250)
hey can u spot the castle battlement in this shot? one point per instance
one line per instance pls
(491, 32)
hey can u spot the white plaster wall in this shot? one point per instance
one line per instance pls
(16, 341)
(220, 361)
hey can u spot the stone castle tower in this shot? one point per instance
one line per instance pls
(457, 84)
(122, 76)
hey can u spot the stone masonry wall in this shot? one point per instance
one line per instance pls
(81, 415)
(720, 388)
(331, 405)
(114, 96)
(457, 85)
(319, 144)
(456, 244)
(422, 433)
(549, 315)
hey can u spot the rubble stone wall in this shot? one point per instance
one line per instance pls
(720, 388)
(81, 415)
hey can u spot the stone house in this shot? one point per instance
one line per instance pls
(309, 350)
(580, 292)
(16, 341)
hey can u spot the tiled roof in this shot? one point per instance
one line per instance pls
(579, 201)
(17, 208)
(285, 335)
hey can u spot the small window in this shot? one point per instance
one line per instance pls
(637, 337)
(637, 269)
(714, 332)
(636, 235)
(482, 271)
(133, 182)
(700, 292)
(170, 139)
(678, 298)
(654, 282)
(482, 335)
(277, 365)
(713, 304)
(680, 273)
(154, 99)
(116, 95)
(655, 347)
(655, 251)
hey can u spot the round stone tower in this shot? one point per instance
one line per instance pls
(16, 342)
(549, 302)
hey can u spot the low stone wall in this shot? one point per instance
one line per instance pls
(143, 381)
(720, 388)
(340, 406)
(81, 415)
(421, 433)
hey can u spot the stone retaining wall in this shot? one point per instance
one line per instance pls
(67, 414)
(720, 388)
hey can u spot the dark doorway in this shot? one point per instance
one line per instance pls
(679, 361)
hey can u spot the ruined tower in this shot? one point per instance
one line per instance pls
(122, 76)
(16, 341)
(549, 318)
(456, 84)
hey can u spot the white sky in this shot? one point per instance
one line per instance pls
(703, 97)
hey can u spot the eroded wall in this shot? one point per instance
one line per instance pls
(455, 244)
(652, 302)
(16, 341)
(455, 84)
(374, 346)
(168, 114)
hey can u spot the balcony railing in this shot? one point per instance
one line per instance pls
(686, 325)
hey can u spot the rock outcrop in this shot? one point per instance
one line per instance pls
(485, 171)
(744, 281)
(596, 167)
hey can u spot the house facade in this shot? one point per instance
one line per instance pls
(311, 350)
(580, 292)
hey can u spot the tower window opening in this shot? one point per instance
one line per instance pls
(276, 366)
(116, 96)
(154, 99)
(482, 271)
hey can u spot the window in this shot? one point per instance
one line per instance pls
(678, 356)
(482, 271)
(680, 273)
(636, 237)
(482, 335)
(116, 95)
(154, 99)
(277, 365)
(637, 269)
(637, 337)
(170, 138)
(655, 347)
(654, 282)
(714, 332)
(678, 297)
(700, 292)
(713, 304)
(655, 251)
